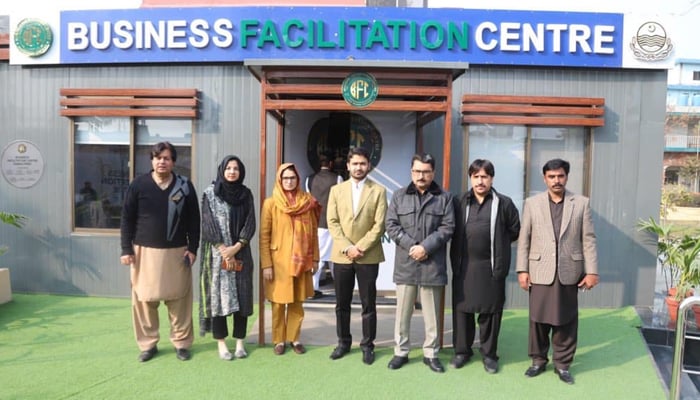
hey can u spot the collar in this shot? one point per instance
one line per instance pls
(433, 189)
(491, 193)
(358, 183)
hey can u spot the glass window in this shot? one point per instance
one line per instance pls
(102, 152)
(554, 142)
(518, 153)
(671, 175)
(504, 146)
(150, 131)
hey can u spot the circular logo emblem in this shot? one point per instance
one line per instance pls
(360, 89)
(334, 135)
(651, 43)
(33, 37)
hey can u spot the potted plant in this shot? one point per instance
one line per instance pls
(16, 220)
(678, 256)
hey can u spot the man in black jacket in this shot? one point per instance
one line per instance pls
(486, 224)
(420, 220)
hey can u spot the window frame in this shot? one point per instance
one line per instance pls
(133, 104)
(531, 112)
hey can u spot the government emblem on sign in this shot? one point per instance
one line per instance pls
(651, 42)
(33, 37)
(360, 89)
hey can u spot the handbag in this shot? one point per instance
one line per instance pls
(235, 265)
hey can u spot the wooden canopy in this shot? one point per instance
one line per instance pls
(425, 89)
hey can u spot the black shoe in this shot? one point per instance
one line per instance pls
(434, 364)
(397, 362)
(339, 352)
(490, 365)
(535, 370)
(459, 360)
(564, 376)
(183, 354)
(148, 354)
(368, 356)
(317, 294)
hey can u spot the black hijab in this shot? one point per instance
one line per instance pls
(233, 193)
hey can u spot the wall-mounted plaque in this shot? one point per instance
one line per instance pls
(22, 164)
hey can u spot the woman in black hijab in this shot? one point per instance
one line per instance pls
(226, 275)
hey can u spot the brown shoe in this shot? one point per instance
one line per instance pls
(279, 349)
(298, 348)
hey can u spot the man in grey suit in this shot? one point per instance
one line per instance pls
(556, 258)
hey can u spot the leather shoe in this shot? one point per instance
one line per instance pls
(397, 362)
(564, 376)
(490, 365)
(298, 348)
(148, 354)
(459, 360)
(535, 370)
(434, 364)
(279, 349)
(339, 352)
(368, 356)
(183, 354)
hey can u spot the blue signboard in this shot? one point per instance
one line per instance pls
(231, 34)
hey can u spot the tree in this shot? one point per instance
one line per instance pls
(690, 171)
(672, 196)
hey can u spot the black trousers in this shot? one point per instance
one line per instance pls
(464, 330)
(564, 339)
(219, 328)
(344, 278)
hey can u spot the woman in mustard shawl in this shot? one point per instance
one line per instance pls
(288, 255)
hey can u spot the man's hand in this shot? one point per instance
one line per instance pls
(524, 280)
(353, 253)
(268, 274)
(588, 282)
(418, 253)
(191, 256)
(127, 259)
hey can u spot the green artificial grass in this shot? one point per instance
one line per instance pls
(62, 347)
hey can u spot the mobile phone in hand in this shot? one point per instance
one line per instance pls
(186, 260)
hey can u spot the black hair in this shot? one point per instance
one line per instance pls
(424, 158)
(358, 151)
(161, 147)
(556, 163)
(479, 164)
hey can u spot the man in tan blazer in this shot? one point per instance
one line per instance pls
(355, 216)
(556, 258)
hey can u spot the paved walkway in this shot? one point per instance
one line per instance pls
(319, 326)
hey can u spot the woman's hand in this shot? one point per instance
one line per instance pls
(268, 275)
(228, 252)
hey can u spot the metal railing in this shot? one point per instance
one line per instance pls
(682, 141)
(679, 348)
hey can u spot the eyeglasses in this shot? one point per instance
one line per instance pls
(421, 172)
(289, 178)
